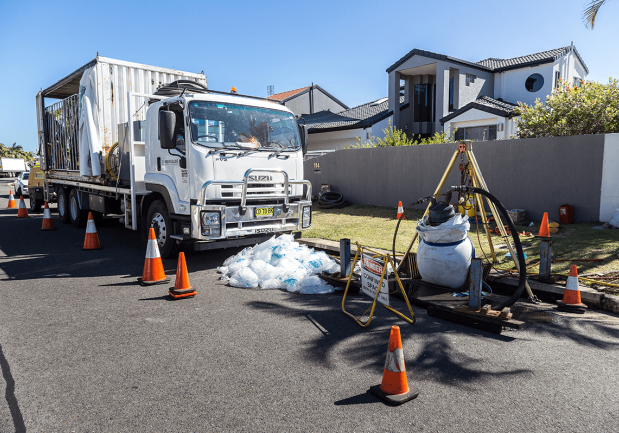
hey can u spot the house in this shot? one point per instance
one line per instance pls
(442, 92)
(332, 131)
(309, 100)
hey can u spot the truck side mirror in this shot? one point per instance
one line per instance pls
(167, 125)
(303, 133)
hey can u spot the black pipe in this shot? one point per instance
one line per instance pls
(521, 264)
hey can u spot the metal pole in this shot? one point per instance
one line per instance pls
(475, 278)
(344, 257)
(545, 259)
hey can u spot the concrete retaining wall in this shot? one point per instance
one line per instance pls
(537, 175)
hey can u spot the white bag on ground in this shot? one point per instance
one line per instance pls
(279, 263)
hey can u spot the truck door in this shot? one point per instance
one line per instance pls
(170, 161)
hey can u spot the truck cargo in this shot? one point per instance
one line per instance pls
(11, 167)
(160, 149)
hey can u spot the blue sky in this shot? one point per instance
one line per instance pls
(343, 46)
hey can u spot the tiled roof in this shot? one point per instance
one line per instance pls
(487, 104)
(550, 55)
(288, 94)
(494, 64)
(365, 115)
(507, 107)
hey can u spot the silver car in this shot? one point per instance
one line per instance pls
(21, 184)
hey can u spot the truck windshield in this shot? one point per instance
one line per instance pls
(219, 125)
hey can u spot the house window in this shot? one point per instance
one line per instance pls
(470, 79)
(477, 133)
(451, 94)
(534, 82)
(423, 103)
(577, 82)
(557, 78)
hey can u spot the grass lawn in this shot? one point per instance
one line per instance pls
(373, 226)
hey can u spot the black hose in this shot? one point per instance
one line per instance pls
(177, 87)
(331, 200)
(521, 264)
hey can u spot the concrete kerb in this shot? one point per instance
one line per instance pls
(549, 292)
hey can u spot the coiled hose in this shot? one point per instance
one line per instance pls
(177, 87)
(331, 200)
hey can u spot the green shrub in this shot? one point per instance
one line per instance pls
(397, 137)
(590, 108)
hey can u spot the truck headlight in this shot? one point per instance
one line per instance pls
(211, 223)
(307, 216)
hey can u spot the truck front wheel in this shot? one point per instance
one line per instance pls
(63, 206)
(159, 219)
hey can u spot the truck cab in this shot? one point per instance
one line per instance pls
(221, 167)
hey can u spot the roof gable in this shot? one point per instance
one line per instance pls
(288, 94)
(487, 104)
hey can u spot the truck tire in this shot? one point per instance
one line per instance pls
(63, 206)
(35, 204)
(159, 219)
(77, 216)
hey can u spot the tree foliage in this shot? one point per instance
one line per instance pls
(590, 12)
(15, 151)
(590, 108)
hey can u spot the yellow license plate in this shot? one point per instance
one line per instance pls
(264, 211)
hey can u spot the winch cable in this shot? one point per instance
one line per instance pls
(519, 252)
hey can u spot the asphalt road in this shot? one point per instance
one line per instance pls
(84, 348)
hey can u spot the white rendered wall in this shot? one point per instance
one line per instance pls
(609, 197)
(512, 87)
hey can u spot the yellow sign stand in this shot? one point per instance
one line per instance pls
(386, 261)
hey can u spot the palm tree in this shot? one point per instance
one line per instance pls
(590, 12)
(16, 147)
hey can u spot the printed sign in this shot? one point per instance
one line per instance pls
(371, 270)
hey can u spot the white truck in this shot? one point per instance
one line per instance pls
(11, 167)
(159, 149)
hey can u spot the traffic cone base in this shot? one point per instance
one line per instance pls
(12, 204)
(22, 212)
(48, 222)
(91, 240)
(182, 288)
(394, 388)
(153, 267)
(571, 302)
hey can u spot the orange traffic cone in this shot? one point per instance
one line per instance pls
(12, 204)
(400, 211)
(22, 212)
(544, 230)
(153, 267)
(48, 222)
(91, 241)
(181, 288)
(571, 296)
(394, 388)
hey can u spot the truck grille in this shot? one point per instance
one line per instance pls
(254, 190)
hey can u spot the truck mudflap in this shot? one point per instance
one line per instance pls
(214, 222)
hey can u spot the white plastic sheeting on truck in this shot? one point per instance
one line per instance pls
(90, 142)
